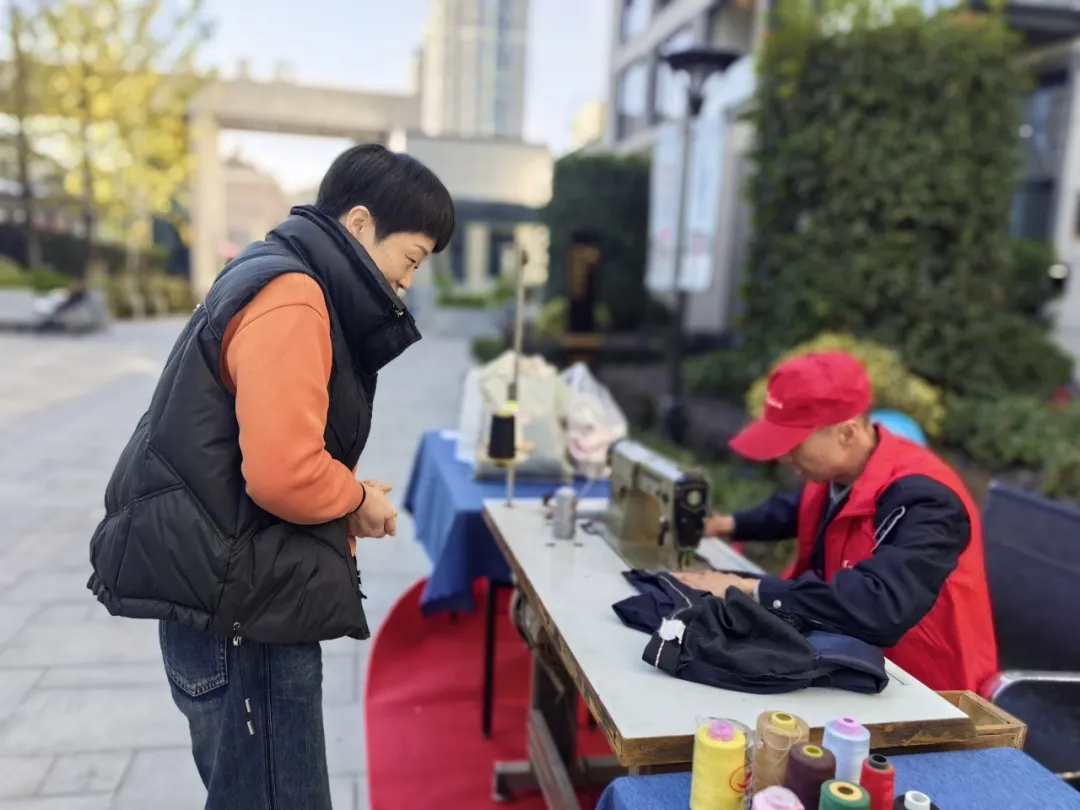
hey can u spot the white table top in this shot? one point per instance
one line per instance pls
(576, 585)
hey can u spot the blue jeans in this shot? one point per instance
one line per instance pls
(271, 756)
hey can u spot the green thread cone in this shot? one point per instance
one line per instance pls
(838, 795)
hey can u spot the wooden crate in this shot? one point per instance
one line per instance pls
(994, 727)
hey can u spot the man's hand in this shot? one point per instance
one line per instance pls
(376, 517)
(722, 526)
(715, 582)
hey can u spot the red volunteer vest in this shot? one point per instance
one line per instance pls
(953, 647)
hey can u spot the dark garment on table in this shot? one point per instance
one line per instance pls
(659, 595)
(734, 643)
(181, 539)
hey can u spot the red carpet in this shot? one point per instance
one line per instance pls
(422, 707)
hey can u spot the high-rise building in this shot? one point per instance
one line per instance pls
(587, 128)
(472, 68)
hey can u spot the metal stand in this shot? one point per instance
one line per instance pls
(491, 608)
(519, 339)
(672, 406)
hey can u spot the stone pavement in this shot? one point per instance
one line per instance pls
(86, 719)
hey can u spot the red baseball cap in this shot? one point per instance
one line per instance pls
(805, 394)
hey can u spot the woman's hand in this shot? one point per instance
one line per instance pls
(376, 516)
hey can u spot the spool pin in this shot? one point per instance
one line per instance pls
(914, 800)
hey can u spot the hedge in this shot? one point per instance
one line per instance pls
(886, 155)
(609, 196)
(65, 252)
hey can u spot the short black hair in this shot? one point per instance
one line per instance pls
(402, 193)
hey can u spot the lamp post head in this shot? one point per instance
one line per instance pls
(699, 64)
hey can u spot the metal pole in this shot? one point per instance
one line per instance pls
(674, 416)
(519, 339)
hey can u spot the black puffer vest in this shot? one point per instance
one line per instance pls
(181, 539)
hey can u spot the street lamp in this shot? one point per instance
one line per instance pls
(698, 64)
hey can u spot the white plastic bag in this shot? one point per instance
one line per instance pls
(471, 417)
(542, 400)
(594, 422)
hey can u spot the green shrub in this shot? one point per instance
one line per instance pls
(894, 386)
(178, 294)
(607, 195)
(118, 297)
(45, 279)
(464, 299)
(1030, 287)
(1011, 432)
(721, 373)
(886, 154)
(551, 319)
(486, 349)
(504, 291)
(11, 275)
(1062, 479)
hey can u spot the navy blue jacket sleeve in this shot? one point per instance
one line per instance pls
(776, 518)
(921, 529)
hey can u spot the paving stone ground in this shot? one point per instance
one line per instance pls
(86, 720)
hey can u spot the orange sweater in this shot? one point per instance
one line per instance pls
(276, 358)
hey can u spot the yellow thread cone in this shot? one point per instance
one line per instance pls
(718, 780)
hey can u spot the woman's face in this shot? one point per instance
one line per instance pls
(397, 255)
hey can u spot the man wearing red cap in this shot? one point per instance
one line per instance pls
(890, 545)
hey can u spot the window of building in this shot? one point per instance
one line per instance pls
(632, 103)
(1030, 210)
(669, 97)
(635, 18)
(500, 243)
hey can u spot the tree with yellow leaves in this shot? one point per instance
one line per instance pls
(122, 78)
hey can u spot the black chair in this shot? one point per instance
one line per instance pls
(1033, 567)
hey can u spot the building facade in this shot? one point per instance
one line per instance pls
(588, 127)
(645, 98)
(644, 94)
(499, 188)
(472, 68)
(646, 102)
(254, 203)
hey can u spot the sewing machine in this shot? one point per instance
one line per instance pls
(656, 514)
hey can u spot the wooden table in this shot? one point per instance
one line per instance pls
(648, 717)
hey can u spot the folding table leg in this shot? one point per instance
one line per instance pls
(489, 658)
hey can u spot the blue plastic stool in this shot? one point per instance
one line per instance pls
(900, 424)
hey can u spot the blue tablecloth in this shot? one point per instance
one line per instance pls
(446, 504)
(994, 779)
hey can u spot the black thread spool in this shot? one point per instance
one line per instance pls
(502, 441)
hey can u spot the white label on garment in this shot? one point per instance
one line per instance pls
(672, 629)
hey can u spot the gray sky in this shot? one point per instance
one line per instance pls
(369, 44)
